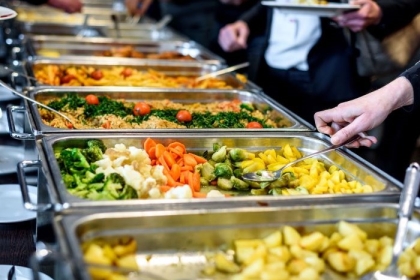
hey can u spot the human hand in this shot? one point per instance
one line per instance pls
(137, 7)
(233, 37)
(369, 14)
(69, 6)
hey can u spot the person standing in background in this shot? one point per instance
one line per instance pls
(308, 64)
(195, 19)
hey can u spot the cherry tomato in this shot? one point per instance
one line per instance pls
(69, 125)
(127, 72)
(254, 125)
(141, 109)
(183, 116)
(106, 124)
(92, 99)
(66, 79)
(97, 74)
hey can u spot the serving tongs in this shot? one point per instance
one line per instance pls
(223, 71)
(3, 84)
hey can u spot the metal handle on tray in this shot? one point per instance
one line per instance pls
(408, 196)
(27, 203)
(12, 127)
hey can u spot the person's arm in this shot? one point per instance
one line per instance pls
(138, 7)
(413, 76)
(364, 113)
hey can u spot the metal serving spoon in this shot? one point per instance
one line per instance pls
(405, 211)
(223, 71)
(268, 176)
(36, 102)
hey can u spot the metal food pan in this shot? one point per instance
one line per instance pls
(386, 188)
(60, 29)
(176, 245)
(175, 68)
(291, 121)
(57, 46)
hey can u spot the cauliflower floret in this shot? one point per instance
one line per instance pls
(131, 177)
(157, 173)
(140, 155)
(179, 192)
(147, 185)
(215, 193)
(155, 193)
(119, 161)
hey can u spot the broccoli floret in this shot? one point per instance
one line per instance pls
(114, 183)
(128, 193)
(68, 180)
(73, 161)
(91, 178)
(96, 143)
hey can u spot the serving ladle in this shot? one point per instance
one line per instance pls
(3, 84)
(268, 176)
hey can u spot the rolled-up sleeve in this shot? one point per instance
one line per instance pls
(413, 76)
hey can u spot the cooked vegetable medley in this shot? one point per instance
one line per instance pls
(102, 112)
(95, 172)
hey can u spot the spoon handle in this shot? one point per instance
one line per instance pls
(223, 71)
(330, 148)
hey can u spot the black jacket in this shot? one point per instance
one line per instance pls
(332, 60)
(413, 75)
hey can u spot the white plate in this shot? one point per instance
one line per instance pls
(6, 13)
(326, 10)
(22, 273)
(10, 156)
(11, 204)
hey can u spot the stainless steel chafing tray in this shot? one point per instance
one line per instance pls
(386, 188)
(176, 245)
(97, 30)
(43, 94)
(57, 46)
(169, 68)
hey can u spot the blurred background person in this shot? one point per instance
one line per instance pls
(307, 63)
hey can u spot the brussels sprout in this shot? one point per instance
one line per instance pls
(254, 185)
(276, 191)
(220, 154)
(259, 192)
(203, 182)
(223, 170)
(238, 154)
(216, 147)
(239, 184)
(224, 184)
(207, 172)
(279, 183)
(238, 172)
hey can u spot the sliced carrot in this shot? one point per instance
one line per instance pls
(164, 188)
(151, 152)
(196, 181)
(171, 182)
(177, 152)
(180, 162)
(168, 159)
(148, 144)
(182, 178)
(175, 171)
(213, 183)
(177, 145)
(162, 161)
(190, 180)
(187, 168)
(159, 150)
(189, 160)
(199, 195)
(198, 159)
(153, 162)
